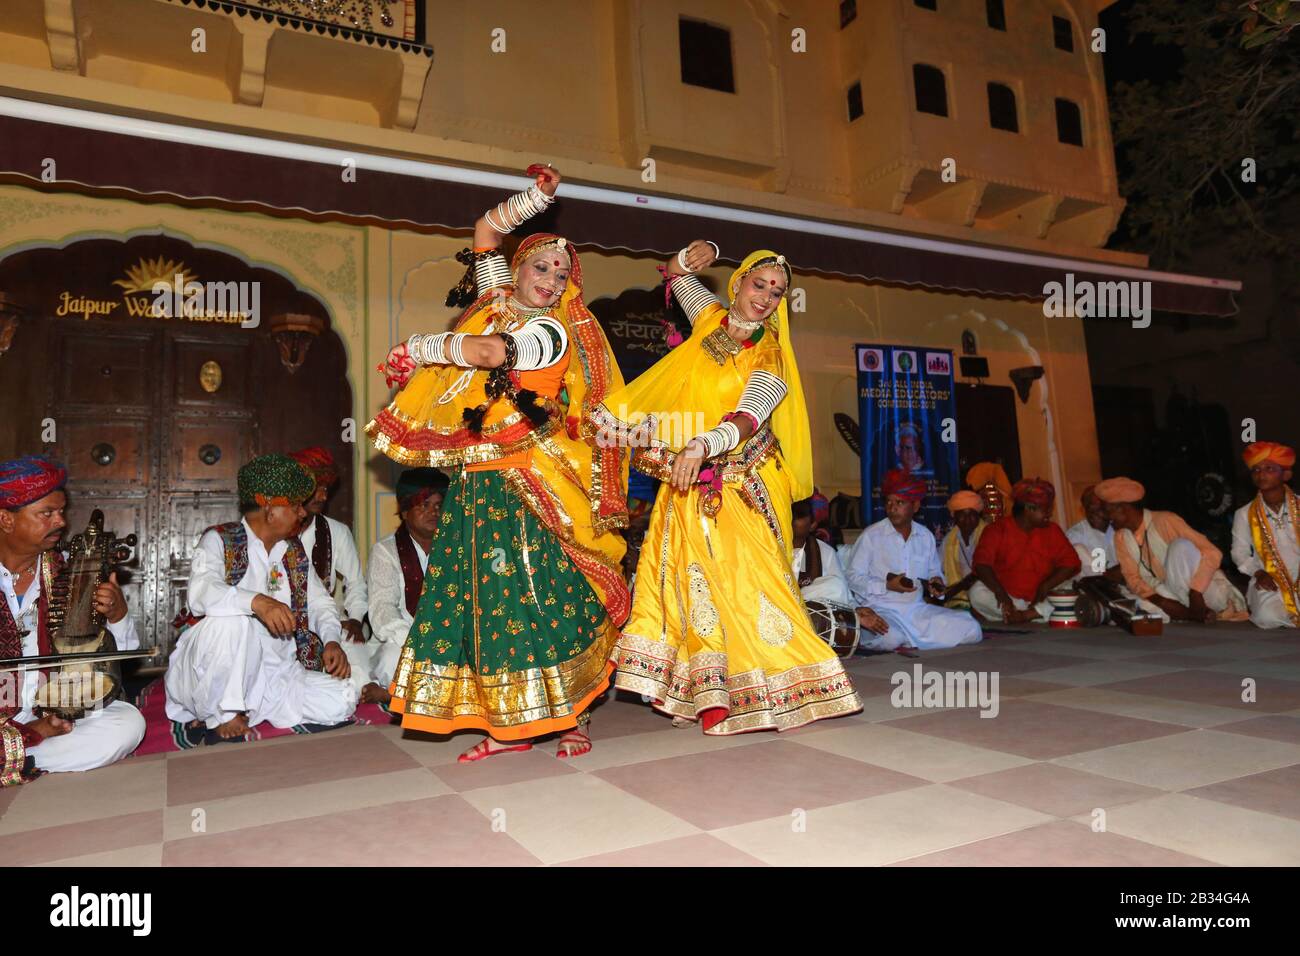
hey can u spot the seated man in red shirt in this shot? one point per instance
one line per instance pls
(1021, 557)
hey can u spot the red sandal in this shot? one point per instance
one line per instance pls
(480, 751)
(573, 739)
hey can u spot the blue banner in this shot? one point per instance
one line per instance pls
(906, 409)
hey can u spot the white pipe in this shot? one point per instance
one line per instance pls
(284, 149)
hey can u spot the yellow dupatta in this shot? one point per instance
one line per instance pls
(680, 389)
(1261, 536)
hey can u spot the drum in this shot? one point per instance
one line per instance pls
(71, 694)
(1091, 611)
(836, 625)
(1062, 608)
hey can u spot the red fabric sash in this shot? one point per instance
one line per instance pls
(11, 643)
(412, 576)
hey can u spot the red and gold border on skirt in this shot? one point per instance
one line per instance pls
(753, 700)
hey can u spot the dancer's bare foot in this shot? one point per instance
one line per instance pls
(487, 747)
(372, 693)
(236, 726)
(682, 722)
(574, 743)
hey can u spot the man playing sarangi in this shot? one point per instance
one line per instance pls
(1165, 561)
(895, 564)
(266, 646)
(1021, 557)
(1266, 538)
(396, 572)
(32, 503)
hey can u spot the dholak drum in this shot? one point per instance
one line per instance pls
(71, 694)
(836, 625)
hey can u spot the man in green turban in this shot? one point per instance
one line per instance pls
(263, 644)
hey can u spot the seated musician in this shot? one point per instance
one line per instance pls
(266, 646)
(959, 546)
(1094, 539)
(1021, 557)
(1266, 537)
(32, 503)
(334, 557)
(818, 570)
(1165, 561)
(398, 564)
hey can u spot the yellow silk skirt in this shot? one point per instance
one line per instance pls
(718, 631)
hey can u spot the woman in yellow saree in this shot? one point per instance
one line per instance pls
(718, 631)
(524, 594)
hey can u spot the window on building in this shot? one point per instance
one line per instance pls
(1063, 34)
(1069, 123)
(706, 55)
(927, 4)
(855, 101)
(1002, 108)
(848, 12)
(931, 89)
(996, 14)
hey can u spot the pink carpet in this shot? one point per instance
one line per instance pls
(162, 735)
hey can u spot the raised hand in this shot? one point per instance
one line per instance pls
(698, 255)
(547, 176)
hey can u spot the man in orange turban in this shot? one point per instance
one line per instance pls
(959, 547)
(335, 559)
(1266, 537)
(990, 481)
(1021, 557)
(1165, 562)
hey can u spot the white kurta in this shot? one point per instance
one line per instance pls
(1267, 609)
(101, 737)
(882, 551)
(1088, 541)
(389, 620)
(344, 580)
(229, 663)
(832, 587)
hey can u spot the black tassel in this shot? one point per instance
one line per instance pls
(526, 402)
(462, 293)
(474, 418)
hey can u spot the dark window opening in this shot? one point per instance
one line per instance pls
(706, 55)
(1069, 123)
(927, 4)
(1002, 108)
(855, 101)
(1063, 34)
(848, 12)
(997, 16)
(931, 89)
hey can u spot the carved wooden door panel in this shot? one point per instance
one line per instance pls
(103, 404)
(209, 429)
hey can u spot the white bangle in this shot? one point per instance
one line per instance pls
(681, 261)
(717, 253)
(415, 348)
(454, 349)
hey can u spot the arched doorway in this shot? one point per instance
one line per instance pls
(154, 415)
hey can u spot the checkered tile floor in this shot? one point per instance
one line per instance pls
(1107, 750)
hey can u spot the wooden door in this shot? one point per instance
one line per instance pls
(987, 429)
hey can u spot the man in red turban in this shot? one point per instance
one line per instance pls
(1165, 561)
(335, 558)
(32, 504)
(1266, 537)
(1021, 557)
(895, 565)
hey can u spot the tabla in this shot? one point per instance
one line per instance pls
(835, 624)
(71, 694)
